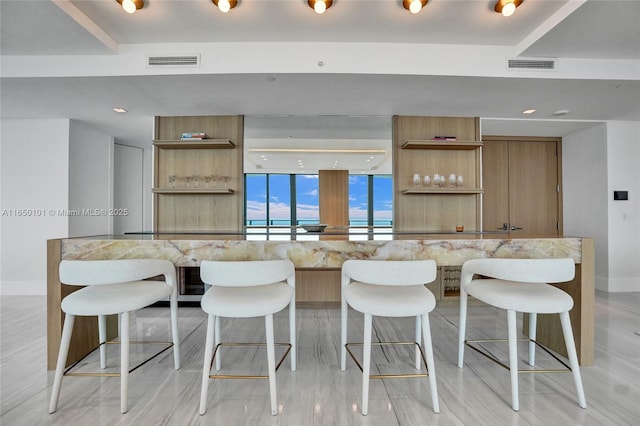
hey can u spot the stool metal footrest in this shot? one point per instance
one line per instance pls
(230, 376)
(389, 376)
(469, 343)
(68, 372)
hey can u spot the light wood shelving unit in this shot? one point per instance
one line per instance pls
(431, 208)
(207, 207)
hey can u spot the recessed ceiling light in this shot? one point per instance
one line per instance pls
(119, 109)
(561, 112)
(529, 111)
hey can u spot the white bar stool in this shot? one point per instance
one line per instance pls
(114, 287)
(521, 285)
(389, 289)
(246, 289)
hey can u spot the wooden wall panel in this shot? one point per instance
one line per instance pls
(318, 287)
(333, 187)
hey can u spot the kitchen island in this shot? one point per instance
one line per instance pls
(318, 258)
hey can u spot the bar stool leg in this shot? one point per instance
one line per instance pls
(428, 349)
(102, 337)
(343, 335)
(533, 323)
(513, 358)
(418, 340)
(292, 333)
(565, 321)
(216, 336)
(124, 362)
(462, 327)
(208, 356)
(62, 360)
(271, 362)
(366, 362)
(174, 331)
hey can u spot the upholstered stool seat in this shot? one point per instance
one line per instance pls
(247, 302)
(391, 301)
(108, 300)
(520, 296)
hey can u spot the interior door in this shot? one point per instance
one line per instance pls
(495, 180)
(127, 189)
(521, 180)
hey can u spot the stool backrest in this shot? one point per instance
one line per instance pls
(553, 270)
(103, 272)
(247, 273)
(389, 272)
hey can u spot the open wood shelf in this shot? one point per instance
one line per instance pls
(444, 191)
(431, 144)
(192, 191)
(195, 144)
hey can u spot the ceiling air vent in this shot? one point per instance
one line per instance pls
(531, 64)
(173, 61)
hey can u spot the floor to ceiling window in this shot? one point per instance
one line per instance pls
(290, 200)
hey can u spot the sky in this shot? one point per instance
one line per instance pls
(307, 197)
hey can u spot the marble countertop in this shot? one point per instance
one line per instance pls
(323, 251)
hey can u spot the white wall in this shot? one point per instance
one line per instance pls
(584, 184)
(623, 165)
(54, 172)
(596, 162)
(90, 180)
(34, 180)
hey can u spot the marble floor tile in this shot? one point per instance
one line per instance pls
(318, 393)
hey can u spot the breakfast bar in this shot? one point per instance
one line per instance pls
(318, 258)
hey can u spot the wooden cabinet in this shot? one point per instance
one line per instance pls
(522, 177)
(420, 207)
(198, 184)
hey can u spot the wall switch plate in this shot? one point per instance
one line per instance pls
(620, 195)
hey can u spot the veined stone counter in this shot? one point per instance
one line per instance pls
(318, 252)
(318, 258)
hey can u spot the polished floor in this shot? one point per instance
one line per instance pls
(318, 393)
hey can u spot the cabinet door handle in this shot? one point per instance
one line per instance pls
(514, 228)
(505, 227)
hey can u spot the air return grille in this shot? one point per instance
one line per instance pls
(174, 61)
(531, 64)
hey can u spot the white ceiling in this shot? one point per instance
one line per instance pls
(368, 59)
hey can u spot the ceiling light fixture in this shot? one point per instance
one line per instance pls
(528, 111)
(507, 7)
(225, 5)
(119, 109)
(130, 6)
(414, 6)
(320, 5)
